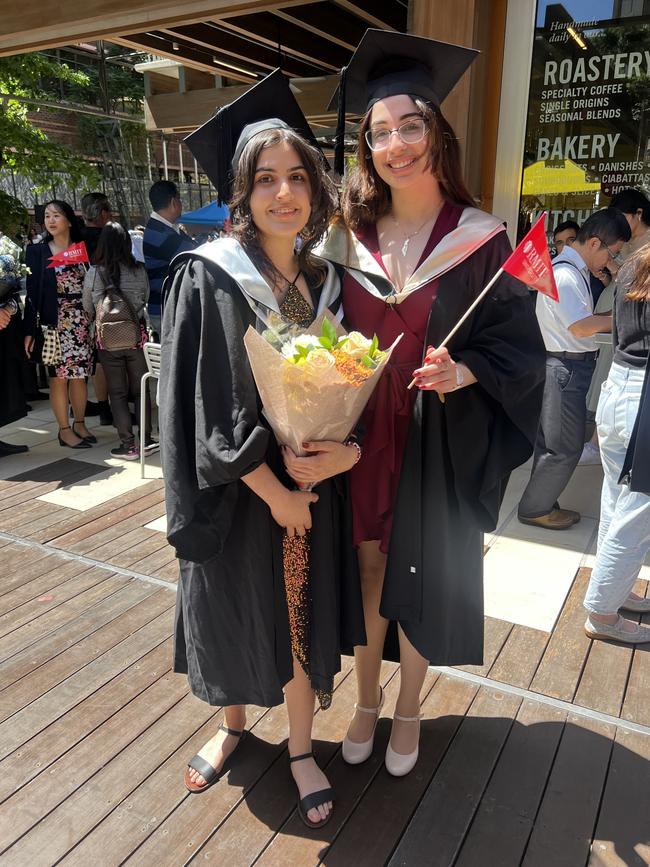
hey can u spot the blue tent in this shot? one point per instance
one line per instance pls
(209, 215)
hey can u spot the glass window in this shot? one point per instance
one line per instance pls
(588, 130)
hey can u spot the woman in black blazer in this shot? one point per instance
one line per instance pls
(56, 294)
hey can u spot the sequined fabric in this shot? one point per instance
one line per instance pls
(296, 549)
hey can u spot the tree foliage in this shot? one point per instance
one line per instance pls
(24, 148)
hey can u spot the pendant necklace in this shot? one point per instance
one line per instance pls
(408, 238)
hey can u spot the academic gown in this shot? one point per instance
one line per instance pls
(232, 631)
(460, 452)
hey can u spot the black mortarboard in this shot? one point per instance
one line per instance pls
(218, 143)
(385, 64)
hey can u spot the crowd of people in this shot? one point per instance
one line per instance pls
(373, 544)
(65, 299)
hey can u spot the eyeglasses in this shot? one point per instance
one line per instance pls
(613, 256)
(410, 132)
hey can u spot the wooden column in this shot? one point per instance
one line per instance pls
(472, 108)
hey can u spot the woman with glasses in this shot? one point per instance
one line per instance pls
(436, 457)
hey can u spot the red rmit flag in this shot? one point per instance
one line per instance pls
(530, 261)
(75, 254)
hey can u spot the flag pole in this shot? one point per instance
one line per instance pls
(472, 307)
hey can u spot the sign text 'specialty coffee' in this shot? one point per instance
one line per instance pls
(588, 130)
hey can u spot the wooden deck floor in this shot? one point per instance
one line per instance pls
(540, 757)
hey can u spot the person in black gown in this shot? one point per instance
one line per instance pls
(437, 457)
(248, 628)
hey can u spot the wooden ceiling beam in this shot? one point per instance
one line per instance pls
(243, 51)
(185, 111)
(25, 28)
(267, 29)
(326, 30)
(376, 14)
(188, 57)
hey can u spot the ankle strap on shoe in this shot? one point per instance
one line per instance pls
(233, 732)
(301, 758)
(407, 718)
(374, 710)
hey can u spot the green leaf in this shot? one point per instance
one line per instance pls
(374, 346)
(329, 333)
(367, 361)
(325, 341)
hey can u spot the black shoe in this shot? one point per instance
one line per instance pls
(11, 449)
(82, 444)
(87, 439)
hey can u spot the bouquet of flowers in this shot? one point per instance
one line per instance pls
(315, 384)
(11, 268)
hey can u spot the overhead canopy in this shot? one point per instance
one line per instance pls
(209, 215)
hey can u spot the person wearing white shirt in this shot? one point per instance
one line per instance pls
(568, 327)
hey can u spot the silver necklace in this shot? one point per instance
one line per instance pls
(408, 238)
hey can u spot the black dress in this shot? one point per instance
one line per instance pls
(232, 634)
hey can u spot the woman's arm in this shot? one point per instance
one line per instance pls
(89, 282)
(290, 509)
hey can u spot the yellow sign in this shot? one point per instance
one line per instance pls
(542, 179)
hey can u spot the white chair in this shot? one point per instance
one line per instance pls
(152, 357)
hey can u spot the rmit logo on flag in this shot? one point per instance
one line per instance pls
(530, 262)
(74, 255)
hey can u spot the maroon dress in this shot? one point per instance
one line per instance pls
(374, 479)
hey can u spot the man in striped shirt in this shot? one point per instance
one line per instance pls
(163, 239)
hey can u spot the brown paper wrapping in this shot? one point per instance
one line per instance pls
(300, 407)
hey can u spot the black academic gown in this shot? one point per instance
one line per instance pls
(12, 359)
(232, 631)
(459, 453)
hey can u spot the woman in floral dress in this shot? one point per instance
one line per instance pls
(56, 294)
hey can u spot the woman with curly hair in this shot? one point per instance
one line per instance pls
(260, 616)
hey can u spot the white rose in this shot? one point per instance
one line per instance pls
(356, 345)
(319, 362)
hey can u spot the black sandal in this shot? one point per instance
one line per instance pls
(82, 444)
(209, 774)
(87, 439)
(316, 799)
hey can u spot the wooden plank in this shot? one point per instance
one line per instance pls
(84, 625)
(65, 826)
(561, 666)
(185, 830)
(110, 526)
(636, 704)
(50, 581)
(496, 635)
(24, 565)
(29, 611)
(80, 519)
(49, 518)
(564, 826)
(53, 672)
(48, 809)
(447, 808)
(151, 564)
(63, 473)
(41, 626)
(520, 656)
(140, 537)
(13, 559)
(169, 572)
(40, 752)
(621, 837)
(21, 516)
(604, 677)
(366, 796)
(507, 811)
(40, 713)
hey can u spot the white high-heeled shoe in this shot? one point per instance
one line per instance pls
(399, 764)
(355, 753)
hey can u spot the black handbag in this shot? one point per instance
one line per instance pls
(636, 466)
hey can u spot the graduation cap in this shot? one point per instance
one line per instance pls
(217, 145)
(385, 64)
